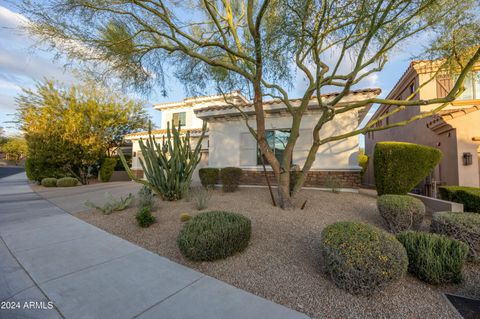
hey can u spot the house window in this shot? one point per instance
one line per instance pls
(472, 87)
(179, 119)
(412, 88)
(277, 140)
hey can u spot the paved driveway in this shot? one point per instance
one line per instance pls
(47, 255)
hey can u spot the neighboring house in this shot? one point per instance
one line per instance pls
(229, 143)
(455, 130)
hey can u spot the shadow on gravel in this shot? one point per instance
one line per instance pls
(468, 308)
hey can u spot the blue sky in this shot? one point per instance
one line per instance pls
(21, 65)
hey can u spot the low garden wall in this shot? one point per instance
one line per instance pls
(438, 205)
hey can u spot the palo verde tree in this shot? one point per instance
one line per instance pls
(259, 46)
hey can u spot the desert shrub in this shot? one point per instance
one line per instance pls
(434, 258)
(399, 167)
(468, 196)
(214, 235)
(201, 197)
(145, 197)
(144, 217)
(184, 217)
(361, 258)
(230, 177)
(107, 168)
(112, 204)
(363, 162)
(401, 212)
(208, 176)
(67, 182)
(37, 170)
(461, 226)
(49, 182)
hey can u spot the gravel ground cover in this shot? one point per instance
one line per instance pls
(283, 261)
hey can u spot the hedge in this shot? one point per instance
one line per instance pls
(230, 177)
(67, 182)
(214, 235)
(399, 167)
(468, 196)
(401, 212)
(208, 176)
(36, 171)
(107, 168)
(434, 258)
(461, 226)
(362, 258)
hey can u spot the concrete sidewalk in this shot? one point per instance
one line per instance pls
(49, 255)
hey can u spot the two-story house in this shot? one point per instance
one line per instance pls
(455, 130)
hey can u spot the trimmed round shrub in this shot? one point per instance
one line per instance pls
(461, 226)
(401, 212)
(468, 196)
(144, 217)
(361, 258)
(107, 168)
(185, 217)
(399, 167)
(214, 235)
(67, 182)
(434, 258)
(230, 177)
(208, 176)
(49, 182)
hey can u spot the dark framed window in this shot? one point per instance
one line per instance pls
(277, 140)
(472, 87)
(179, 118)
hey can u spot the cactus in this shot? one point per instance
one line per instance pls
(168, 165)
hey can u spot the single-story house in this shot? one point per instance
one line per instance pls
(229, 143)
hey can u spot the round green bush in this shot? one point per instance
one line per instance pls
(399, 167)
(49, 182)
(214, 235)
(434, 258)
(230, 177)
(208, 176)
(144, 217)
(468, 196)
(361, 258)
(461, 226)
(67, 182)
(107, 168)
(401, 212)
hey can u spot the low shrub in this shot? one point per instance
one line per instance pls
(112, 204)
(201, 197)
(67, 182)
(208, 176)
(363, 162)
(361, 258)
(461, 226)
(145, 197)
(468, 196)
(107, 168)
(434, 258)
(49, 182)
(214, 235)
(230, 177)
(401, 212)
(184, 217)
(399, 167)
(144, 217)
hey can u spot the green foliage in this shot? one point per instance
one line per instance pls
(201, 197)
(363, 160)
(230, 178)
(144, 217)
(112, 204)
(49, 182)
(168, 165)
(361, 258)
(401, 212)
(433, 258)
(146, 198)
(468, 196)
(106, 170)
(72, 128)
(37, 170)
(461, 226)
(67, 182)
(208, 176)
(399, 166)
(214, 235)
(15, 148)
(185, 217)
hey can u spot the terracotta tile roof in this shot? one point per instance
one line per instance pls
(446, 115)
(273, 101)
(193, 132)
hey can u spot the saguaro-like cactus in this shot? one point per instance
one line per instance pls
(168, 165)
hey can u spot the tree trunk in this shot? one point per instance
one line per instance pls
(284, 198)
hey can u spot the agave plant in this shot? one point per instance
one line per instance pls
(168, 165)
